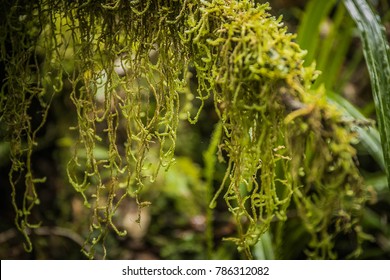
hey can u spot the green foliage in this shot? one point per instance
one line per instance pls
(376, 52)
(340, 58)
(126, 66)
(331, 59)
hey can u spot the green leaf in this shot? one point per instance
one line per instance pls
(308, 32)
(376, 52)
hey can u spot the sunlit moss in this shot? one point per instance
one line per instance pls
(127, 64)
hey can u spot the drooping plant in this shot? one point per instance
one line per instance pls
(125, 66)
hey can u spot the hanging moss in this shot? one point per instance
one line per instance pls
(126, 63)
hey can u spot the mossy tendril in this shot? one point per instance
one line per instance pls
(127, 63)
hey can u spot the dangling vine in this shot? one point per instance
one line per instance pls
(127, 64)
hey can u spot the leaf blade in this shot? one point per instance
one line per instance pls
(376, 53)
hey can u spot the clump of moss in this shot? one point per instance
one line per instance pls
(127, 63)
(283, 140)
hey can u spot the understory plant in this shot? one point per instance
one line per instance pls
(134, 70)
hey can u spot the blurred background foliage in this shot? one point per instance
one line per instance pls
(175, 226)
(326, 30)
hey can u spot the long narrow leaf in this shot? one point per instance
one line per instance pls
(308, 31)
(376, 52)
(333, 49)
